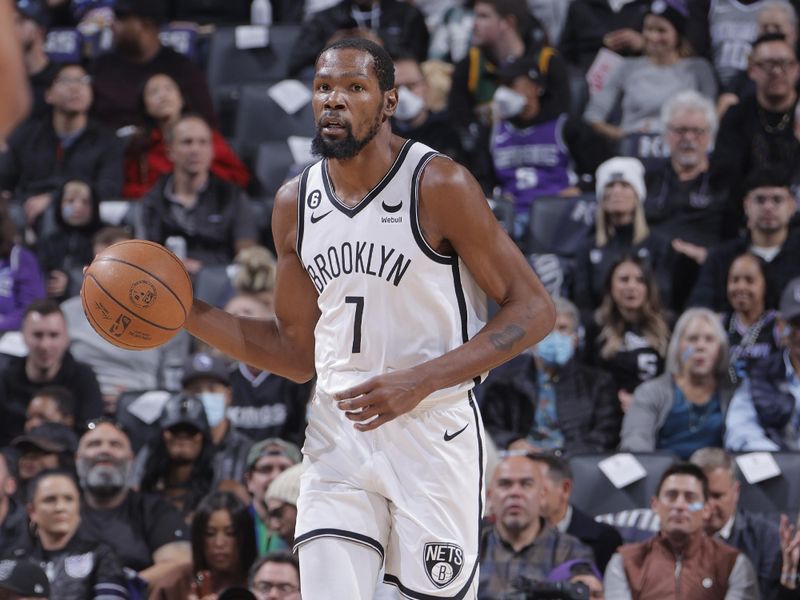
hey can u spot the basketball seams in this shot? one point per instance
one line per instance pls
(158, 279)
(137, 315)
(102, 333)
(160, 249)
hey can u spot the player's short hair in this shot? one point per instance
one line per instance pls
(44, 307)
(564, 306)
(277, 556)
(33, 484)
(558, 469)
(513, 8)
(382, 61)
(169, 134)
(684, 468)
(63, 398)
(690, 101)
(61, 67)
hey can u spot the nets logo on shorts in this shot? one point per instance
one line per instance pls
(443, 562)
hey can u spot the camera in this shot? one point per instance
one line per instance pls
(525, 589)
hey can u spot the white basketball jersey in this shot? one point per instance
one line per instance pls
(388, 301)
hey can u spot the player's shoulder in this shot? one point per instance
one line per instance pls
(444, 171)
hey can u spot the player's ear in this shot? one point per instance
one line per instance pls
(389, 102)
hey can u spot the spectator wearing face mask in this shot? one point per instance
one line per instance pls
(537, 151)
(207, 377)
(414, 119)
(551, 400)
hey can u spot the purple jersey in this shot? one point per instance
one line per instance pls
(531, 162)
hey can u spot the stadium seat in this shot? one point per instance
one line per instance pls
(138, 412)
(260, 119)
(560, 225)
(182, 39)
(64, 45)
(228, 65)
(650, 148)
(594, 494)
(212, 284)
(273, 163)
(776, 495)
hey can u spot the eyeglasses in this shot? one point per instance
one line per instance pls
(695, 132)
(82, 80)
(769, 65)
(265, 587)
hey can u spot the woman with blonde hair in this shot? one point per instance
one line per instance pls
(620, 229)
(684, 409)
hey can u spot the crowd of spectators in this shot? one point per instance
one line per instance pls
(657, 142)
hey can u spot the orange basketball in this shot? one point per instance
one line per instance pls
(136, 294)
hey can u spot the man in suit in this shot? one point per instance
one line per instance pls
(556, 478)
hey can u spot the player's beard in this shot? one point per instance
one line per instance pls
(350, 145)
(103, 480)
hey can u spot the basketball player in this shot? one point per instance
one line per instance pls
(386, 251)
(14, 93)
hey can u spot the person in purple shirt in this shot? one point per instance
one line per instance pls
(537, 151)
(21, 279)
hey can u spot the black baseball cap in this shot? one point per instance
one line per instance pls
(524, 65)
(24, 577)
(183, 409)
(53, 438)
(205, 366)
(154, 10)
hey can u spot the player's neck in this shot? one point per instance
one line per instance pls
(354, 178)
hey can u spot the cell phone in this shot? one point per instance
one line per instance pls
(204, 583)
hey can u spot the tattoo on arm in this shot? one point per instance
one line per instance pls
(504, 340)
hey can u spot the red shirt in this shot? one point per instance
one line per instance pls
(142, 173)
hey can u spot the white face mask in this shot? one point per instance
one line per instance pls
(409, 105)
(508, 103)
(214, 405)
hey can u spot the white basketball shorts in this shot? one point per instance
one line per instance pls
(412, 490)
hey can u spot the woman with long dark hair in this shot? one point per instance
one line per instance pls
(223, 549)
(628, 337)
(146, 159)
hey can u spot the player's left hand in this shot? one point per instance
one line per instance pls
(381, 399)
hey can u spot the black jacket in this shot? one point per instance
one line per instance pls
(592, 265)
(586, 405)
(602, 538)
(38, 164)
(82, 570)
(401, 27)
(589, 20)
(16, 391)
(758, 539)
(711, 287)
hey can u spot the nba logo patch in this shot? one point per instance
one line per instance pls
(443, 562)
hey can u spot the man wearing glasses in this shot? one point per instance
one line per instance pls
(65, 145)
(758, 131)
(763, 414)
(275, 576)
(769, 207)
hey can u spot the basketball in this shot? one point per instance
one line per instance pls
(136, 294)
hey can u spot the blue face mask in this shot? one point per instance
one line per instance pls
(555, 350)
(214, 405)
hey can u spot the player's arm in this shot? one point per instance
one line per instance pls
(14, 93)
(283, 345)
(455, 216)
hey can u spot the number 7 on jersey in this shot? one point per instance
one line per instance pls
(359, 302)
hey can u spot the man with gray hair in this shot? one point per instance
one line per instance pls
(146, 532)
(752, 534)
(547, 399)
(680, 204)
